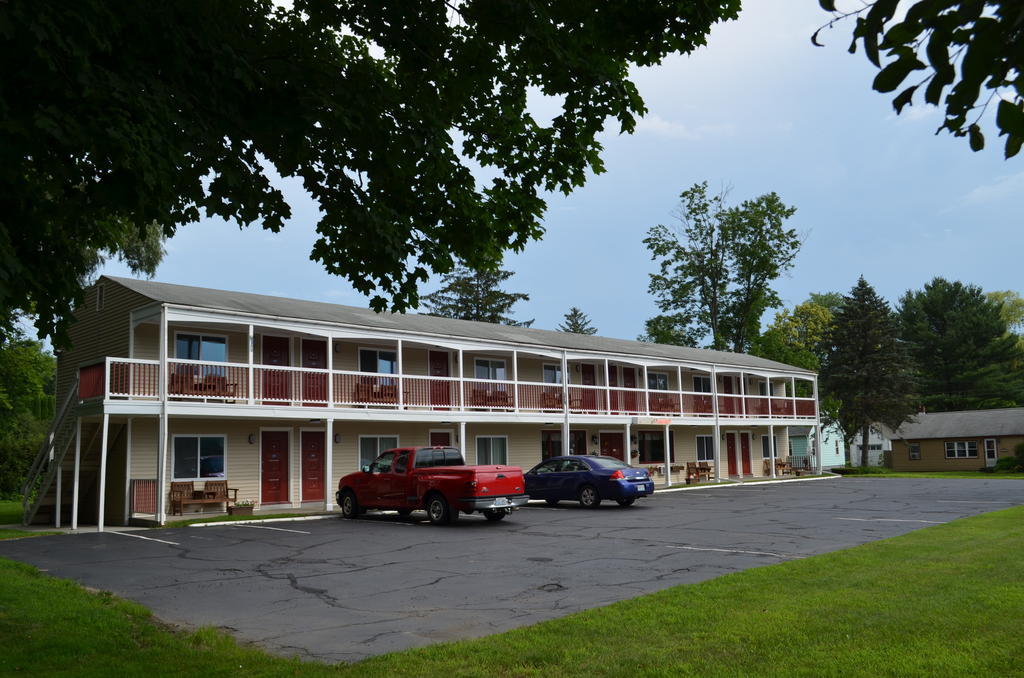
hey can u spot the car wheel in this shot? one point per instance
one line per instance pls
(628, 501)
(552, 502)
(349, 505)
(404, 512)
(439, 512)
(588, 496)
(494, 515)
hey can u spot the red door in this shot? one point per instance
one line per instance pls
(730, 452)
(728, 404)
(611, 445)
(276, 383)
(588, 378)
(274, 467)
(440, 391)
(314, 386)
(440, 439)
(616, 397)
(631, 398)
(312, 466)
(745, 452)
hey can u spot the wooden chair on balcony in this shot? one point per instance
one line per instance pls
(550, 401)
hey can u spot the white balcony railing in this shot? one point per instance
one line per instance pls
(257, 385)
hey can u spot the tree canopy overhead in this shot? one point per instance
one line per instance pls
(162, 112)
(961, 54)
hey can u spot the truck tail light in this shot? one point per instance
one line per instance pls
(618, 475)
(471, 484)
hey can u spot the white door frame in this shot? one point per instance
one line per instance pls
(990, 461)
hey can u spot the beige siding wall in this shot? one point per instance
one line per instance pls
(933, 454)
(97, 334)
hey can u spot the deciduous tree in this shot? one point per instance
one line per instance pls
(138, 112)
(577, 322)
(866, 368)
(716, 267)
(26, 406)
(476, 295)
(796, 337)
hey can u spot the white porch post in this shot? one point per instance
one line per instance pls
(462, 391)
(462, 439)
(718, 431)
(329, 463)
(647, 393)
(679, 387)
(771, 447)
(565, 404)
(819, 443)
(128, 472)
(771, 393)
(401, 378)
(628, 445)
(252, 370)
(668, 457)
(792, 392)
(330, 372)
(608, 393)
(515, 380)
(161, 445)
(743, 392)
(74, 486)
(101, 501)
(56, 513)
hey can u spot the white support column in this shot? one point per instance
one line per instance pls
(743, 393)
(102, 499)
(717, 443)
(329, 463)
(608, 393)
(78, 465)
(819, 443)
(401, 378)
(515, 381)
(128, 471)
(56, 512)
(628, 445)
(252, 370)
(565, 404)
(330, 373)
(462, 440)
(771, 393)
(771, 446)
(161, 470)
(792, 393)
(668, 457)
(679, 387)
(647, 394)
(462, 391)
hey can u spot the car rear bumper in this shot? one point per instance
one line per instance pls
(510, 501)
(626, 489)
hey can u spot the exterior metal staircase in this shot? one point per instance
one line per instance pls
(51, 454)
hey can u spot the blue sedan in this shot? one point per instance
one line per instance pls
(587, 479)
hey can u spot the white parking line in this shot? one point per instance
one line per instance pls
(893, 520)
(267, 527)
(751, 553)
(139, 536)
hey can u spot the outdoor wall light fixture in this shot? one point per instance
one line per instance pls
(593, 439)
(337, 438)
(252, 438)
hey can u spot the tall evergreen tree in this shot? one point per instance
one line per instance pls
(965, 357)
(468, 294)
(577, 322)
(866, 368)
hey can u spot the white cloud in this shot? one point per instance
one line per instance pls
(659, 126)
(1003, 187)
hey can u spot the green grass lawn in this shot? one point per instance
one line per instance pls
(880, 472)
(10, 512)
(942, 601)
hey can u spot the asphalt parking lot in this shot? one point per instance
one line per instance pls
(337, 590)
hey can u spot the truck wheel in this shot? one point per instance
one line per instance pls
(349, 505)
(588, 496)
(494, 515)
(439, 512)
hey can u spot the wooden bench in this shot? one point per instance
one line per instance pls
(700, 471)
(214, 492)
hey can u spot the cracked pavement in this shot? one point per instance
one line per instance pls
(341, 590)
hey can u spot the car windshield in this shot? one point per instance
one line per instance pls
(607, 462)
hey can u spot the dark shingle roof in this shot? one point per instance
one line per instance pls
(964, 424)
(298, 309)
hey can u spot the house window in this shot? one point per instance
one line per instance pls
(552, 374)
(762, 388)
(701, 385)
(489, 369)
(964, 449)
(766, 451)
(201, 347)
(370, 447)
(657, 381)
(914, 451)
(378, 361)
(99, 297)
(705, 448)
(551, 443)
(651, 446)
(491, 450)
(198, 457)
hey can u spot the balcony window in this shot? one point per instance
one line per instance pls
(201, 347)
(489, 369)
(657, 381)
(370, 447)
(706, 448)
(491, 450)
(198, 457)
(552, 374)
(377, 361)
(701, 384)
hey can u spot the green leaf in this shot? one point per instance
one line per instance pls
(903, 99)
(1010, 117)
(890, 77)
(975, 138)
(1013, 144)
(828, 5)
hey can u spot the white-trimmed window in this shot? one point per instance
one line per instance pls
(485, 368)
(914, 451)
(701, 384)
(378, 361)
(705, 448)
(552, 374)
(491, 450)
(657, 381)
(766, 451)
(210, 347)
(198, 457)
(962, 449)
(370, 447)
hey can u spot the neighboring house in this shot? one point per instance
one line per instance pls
(879, 442)
(280, 397)
(957, 441)
(801, 443)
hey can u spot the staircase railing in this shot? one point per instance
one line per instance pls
(44, 467)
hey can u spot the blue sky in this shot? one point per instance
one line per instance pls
(760, 109)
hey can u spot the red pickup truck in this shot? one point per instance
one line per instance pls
(435, 479)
